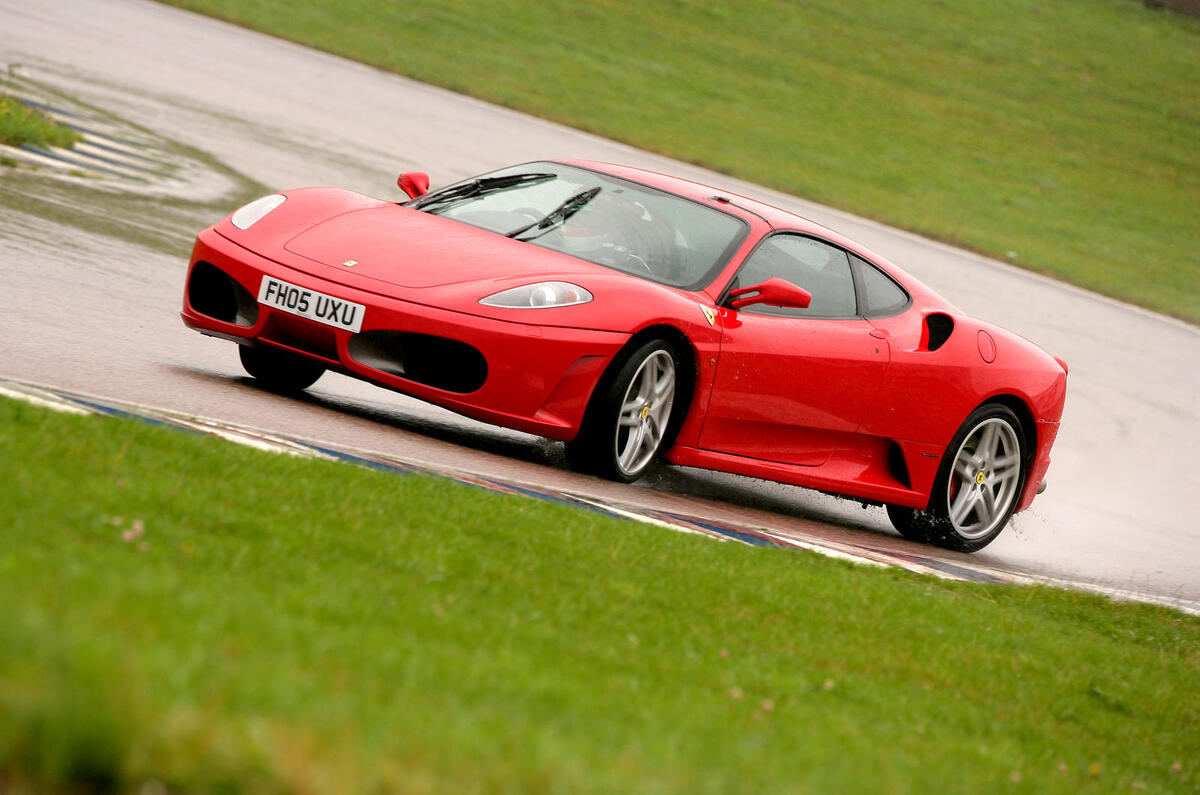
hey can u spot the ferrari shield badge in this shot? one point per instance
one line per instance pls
(709, 314)
(350, 263)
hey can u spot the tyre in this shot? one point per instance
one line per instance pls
(630, 418)
(977, 486)
(278, 370)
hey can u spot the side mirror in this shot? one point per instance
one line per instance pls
(772, 292)
(414, 183)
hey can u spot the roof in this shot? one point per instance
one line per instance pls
(775, 217)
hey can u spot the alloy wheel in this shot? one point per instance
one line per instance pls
(985, 478)
(645, 412)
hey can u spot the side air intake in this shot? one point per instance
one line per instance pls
(938, 329)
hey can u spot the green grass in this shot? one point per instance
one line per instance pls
(213, 618)
(22, 125)
(1058, 136)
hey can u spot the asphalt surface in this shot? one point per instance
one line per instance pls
(92, 272)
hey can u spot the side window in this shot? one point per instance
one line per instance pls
(818, 267)
(881, 296)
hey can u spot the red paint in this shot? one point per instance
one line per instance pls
(414, 183)
(772, 292)
(987, 347)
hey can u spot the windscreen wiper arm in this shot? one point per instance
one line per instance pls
(480, 186)
(556, 216)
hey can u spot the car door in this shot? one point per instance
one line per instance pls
(793, 385)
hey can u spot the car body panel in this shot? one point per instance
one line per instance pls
(758, 411)
(546, 394)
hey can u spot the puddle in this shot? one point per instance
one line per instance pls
(123, 180)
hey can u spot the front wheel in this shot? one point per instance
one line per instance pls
(278, 370)
(630, 418)
(977, 486)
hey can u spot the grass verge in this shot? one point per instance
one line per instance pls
(21, 125)
(1060, 137)
(211, 617)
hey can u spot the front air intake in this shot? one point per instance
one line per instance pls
(215, 294)
(434, 361)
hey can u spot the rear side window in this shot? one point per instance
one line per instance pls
(880, 295)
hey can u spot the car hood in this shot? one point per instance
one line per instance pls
(412, 249)
(409, 255)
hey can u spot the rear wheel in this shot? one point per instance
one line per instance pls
(630, 416)
(278, 370)
(977, 487)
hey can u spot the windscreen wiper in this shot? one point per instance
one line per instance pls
(556, 216)
(480, 186)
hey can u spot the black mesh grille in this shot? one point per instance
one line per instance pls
(434, 361)
(214, 293)
(940, 329)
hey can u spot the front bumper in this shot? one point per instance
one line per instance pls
(538, 378)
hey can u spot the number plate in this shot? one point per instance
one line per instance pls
(303, 302)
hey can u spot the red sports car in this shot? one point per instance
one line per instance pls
(632, 315)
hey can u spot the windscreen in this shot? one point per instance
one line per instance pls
(599, 218)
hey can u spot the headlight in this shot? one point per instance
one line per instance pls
(245, 217)
(542, 295)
